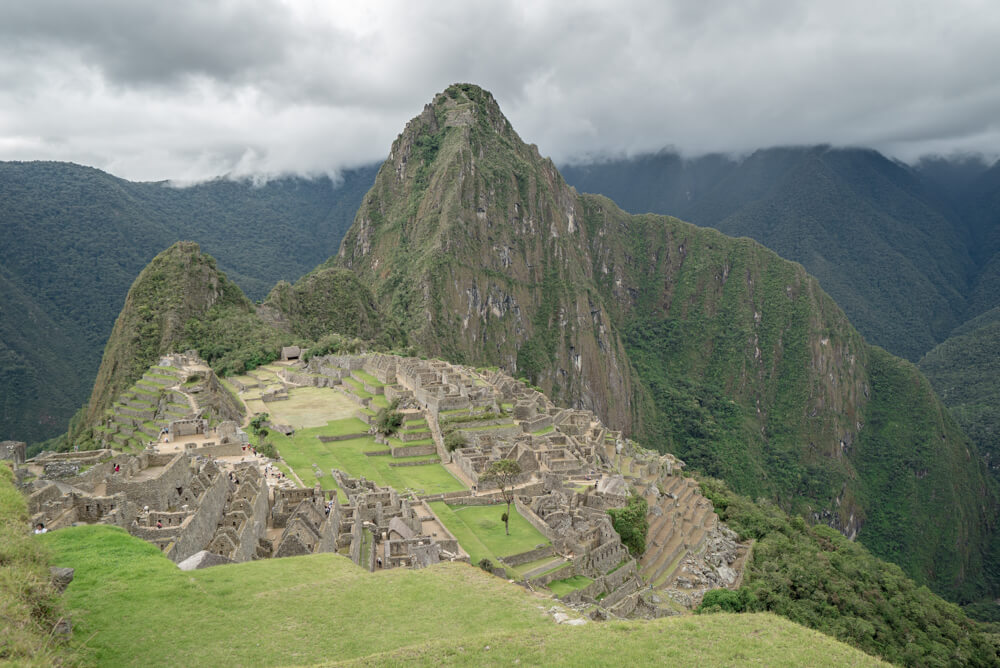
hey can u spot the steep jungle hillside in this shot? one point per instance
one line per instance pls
(324, 301)
(965, 373)
(897, 247)
(695, 342)
(75, 238)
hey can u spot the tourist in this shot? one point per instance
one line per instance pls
(159, 524)
(40, 528)
(117, 468)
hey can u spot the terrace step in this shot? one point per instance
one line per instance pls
(550, 565)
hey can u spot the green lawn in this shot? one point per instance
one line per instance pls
(480, 531)
(132, 607)
(303, 449)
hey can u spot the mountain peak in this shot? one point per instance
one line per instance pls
(178, 284)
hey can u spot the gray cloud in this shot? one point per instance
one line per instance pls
(191, 88)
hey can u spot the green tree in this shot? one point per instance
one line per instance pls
(504, 472)
(388, 420)
(257, 426)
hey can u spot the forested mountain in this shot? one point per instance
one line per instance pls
(76, 237)
(965, 372)
(908, 253)
(707, 346)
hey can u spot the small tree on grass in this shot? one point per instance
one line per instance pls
(504, 473)
(631, 524)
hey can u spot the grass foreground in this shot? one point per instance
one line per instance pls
(133, 607)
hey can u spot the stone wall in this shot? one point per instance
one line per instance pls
(212, 449)
(566, 571)
(529, 556)
(413, 450)
(199, 530)
(527, 513)
(158, 491)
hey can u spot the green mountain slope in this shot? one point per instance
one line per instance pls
(75, 238)
(695, 342)
(322, 302)
(886, 241)
(965, 373)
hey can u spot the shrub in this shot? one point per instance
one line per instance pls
(724, 600)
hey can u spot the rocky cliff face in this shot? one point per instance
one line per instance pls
(475, 243)
(711, 347)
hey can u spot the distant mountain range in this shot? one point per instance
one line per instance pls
(909, 253)
(75, 238)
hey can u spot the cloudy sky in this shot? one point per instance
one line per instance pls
(189, 89)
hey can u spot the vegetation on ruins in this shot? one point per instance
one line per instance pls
(329, 300)
(258, 425)
(631, 524)
(815, 576)
(29, 605)
(505, 473)
(388, 419)
(332, 344)
(453, 440)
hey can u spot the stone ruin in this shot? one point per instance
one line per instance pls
(13, 451)
(382, 529)
(573, 470)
